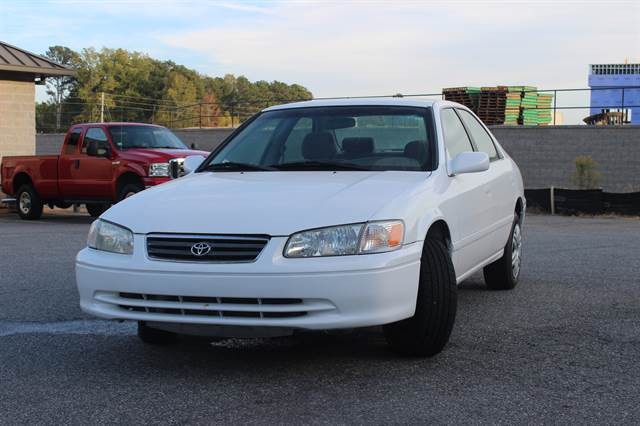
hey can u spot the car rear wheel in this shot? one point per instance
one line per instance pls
(503, 274)
(29, 203)
(129, 189)
(428, 330)
(96, 209)
(154, 336)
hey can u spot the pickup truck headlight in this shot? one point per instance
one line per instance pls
(360, 238)
(110, 237)
(159, 170)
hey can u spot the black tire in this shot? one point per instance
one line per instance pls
(503, 274)
(96, 209)
(428, 330)
(28, 203)
(154, 336)
(128, 189)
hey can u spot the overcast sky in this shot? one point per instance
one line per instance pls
(338, 48)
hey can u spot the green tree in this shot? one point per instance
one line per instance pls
(59, 87)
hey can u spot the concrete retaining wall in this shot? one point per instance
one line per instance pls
(545, 154)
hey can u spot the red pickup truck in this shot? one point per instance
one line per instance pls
(100, 164)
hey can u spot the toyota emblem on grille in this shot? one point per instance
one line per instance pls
(200, 249)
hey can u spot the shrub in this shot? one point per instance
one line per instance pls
(586, 175)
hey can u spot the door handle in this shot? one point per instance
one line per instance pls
(76, 163)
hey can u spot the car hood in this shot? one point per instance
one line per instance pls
(273, 203)
(159, 155)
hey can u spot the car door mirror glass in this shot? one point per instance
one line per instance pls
(469, 162)
(92, 148)
(103, 151)
(191, 163)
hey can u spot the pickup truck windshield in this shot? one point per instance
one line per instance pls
(126, 137)
(331, 138)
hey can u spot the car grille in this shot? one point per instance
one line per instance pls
(206, 248)
(222, 307)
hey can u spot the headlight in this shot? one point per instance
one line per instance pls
(110, 237)
(360, 238)
(159, 170)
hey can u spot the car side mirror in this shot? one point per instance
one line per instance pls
(193, 145)
(92, 148)
(469, 162)
(104, 151)
(191, 163)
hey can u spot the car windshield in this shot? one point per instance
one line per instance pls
(126, 137)
(331, 138)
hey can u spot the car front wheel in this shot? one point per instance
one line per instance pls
(428, 330)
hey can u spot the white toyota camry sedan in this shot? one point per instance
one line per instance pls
(316, 215)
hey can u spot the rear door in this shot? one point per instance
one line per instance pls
(498, 184)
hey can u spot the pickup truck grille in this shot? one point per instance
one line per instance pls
(206, 248)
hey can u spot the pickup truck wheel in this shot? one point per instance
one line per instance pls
(428, 330)
(96, 209)
(503, 274)
(129, 189)
(29, 203)
(154, 336)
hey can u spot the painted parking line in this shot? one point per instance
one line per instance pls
(83, 327)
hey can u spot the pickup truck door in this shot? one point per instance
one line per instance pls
(91, 175)
(69, 161)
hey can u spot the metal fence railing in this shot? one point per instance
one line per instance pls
(617, 105)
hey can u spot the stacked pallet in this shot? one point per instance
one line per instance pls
(509, 105)
(491, 105)
(544, 108)
(529, 104)
(513, 103)
(467, 96)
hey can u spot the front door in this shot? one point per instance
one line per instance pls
(470, 205)
(92, 175)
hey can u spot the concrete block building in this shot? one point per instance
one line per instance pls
(20, 71)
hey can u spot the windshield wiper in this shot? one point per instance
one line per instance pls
(318, 165)
(231, 166)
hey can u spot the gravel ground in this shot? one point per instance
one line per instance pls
(563, 347)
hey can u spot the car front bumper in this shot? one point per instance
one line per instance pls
(272, 292)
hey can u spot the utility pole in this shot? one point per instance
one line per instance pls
(102, 109)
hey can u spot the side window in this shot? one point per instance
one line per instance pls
(293, 144)
(94, 134)
(456, 139)
(72, 142)
(479, 134)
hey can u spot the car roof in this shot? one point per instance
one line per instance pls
(391, 101)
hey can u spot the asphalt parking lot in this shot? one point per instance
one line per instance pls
(563, 347)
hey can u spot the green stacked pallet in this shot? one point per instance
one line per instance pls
(543, 111)
(528, 105)
(512, 108)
